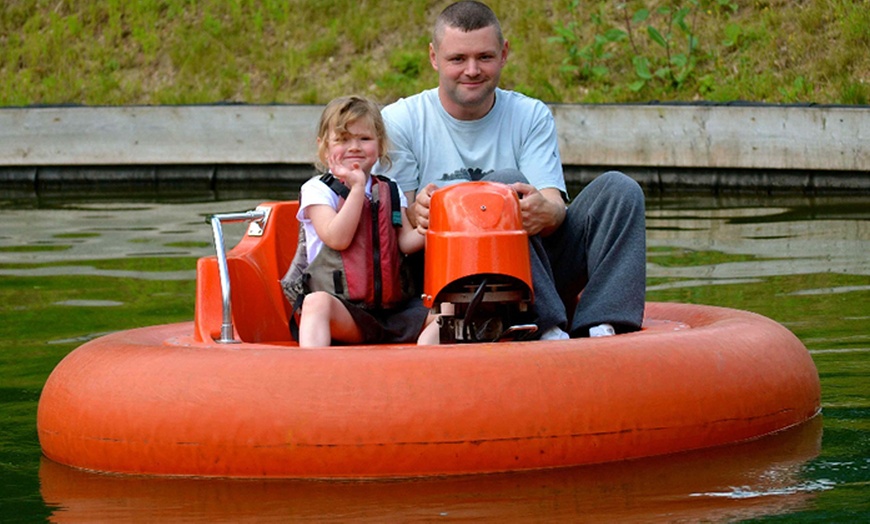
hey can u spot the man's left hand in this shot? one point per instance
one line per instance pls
(543, 211)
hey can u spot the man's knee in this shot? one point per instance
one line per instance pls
(619, 183)
(611, 192)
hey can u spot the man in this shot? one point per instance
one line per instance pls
(469, 129)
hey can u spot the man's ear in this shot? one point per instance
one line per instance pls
(433, 60)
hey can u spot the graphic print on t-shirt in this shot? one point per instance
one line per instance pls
(465, 173)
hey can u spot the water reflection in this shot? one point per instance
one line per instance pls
(769, 240)
(101, 231)
(748, 480)
(764, 241)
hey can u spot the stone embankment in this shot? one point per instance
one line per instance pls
(664, 146)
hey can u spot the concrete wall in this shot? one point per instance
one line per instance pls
(180, 135)
(708, 136)
(660, 144)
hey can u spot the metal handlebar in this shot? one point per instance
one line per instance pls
(259, 216)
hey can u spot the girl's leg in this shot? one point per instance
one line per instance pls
(430, 336)
(324, 319)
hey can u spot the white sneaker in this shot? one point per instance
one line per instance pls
(601, 330)
(555, 333)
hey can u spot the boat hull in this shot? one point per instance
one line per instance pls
(157, 401)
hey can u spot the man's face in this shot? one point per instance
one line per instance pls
(469, 67)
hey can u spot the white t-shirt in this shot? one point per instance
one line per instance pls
(429, 145)
(315, 192)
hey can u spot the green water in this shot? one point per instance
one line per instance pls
(71, 271)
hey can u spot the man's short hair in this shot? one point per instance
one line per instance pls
(466, 16)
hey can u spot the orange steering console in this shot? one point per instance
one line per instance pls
(477, 270)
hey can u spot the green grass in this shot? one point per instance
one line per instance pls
(116, 52)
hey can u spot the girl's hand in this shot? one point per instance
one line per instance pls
(337, 228)
(352, 177)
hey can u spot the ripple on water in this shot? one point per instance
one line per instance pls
(89, 303)
(747, 492)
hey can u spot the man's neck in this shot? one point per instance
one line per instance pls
(460, 112)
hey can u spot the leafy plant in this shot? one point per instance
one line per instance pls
(799, 88)
(675, 65)
(586, 61)
(732, 35)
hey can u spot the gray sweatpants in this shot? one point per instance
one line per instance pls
(599, 250)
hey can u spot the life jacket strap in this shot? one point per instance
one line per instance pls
(342, 191)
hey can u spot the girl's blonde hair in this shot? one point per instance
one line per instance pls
(342, 112)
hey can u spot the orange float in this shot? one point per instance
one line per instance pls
(234, 396)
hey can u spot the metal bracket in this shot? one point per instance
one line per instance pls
(257, 227)
(258, 218)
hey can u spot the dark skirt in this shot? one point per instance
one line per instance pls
(393, 326)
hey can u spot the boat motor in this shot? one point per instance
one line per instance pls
(477, 270)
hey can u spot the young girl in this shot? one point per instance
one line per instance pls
(347, 270)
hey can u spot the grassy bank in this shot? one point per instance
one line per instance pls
(118, 52)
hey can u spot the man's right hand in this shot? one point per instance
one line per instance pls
(418, 213)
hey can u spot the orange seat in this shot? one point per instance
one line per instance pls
(256, 264)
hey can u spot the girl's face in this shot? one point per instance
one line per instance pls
(360, 145)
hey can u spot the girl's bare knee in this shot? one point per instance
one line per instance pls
(317, 302)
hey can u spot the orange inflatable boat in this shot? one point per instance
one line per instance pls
(231, 394)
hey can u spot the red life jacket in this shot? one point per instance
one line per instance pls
(369, 271)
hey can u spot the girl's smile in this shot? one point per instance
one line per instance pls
(356, 148)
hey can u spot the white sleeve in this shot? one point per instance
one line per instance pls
(405, 168)
(539, 159)
(314, 192)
